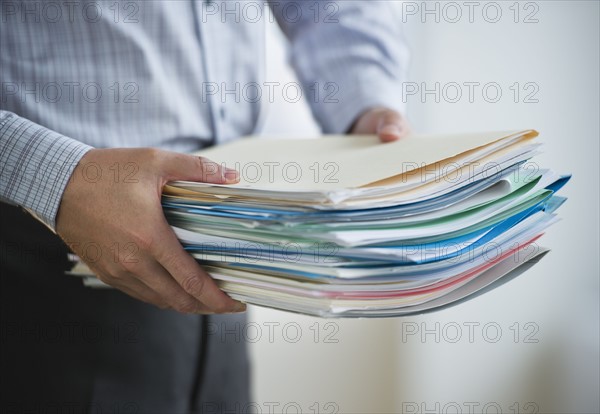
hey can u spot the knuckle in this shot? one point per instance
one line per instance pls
(118, 278)
(209, 169)
(129, 266)
(194, 285)
(139, 243)
(201, 162)
(169, 259)
(153, 155)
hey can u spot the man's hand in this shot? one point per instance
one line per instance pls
(111, 216)
(387, 123)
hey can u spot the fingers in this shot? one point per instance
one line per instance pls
(159, 280)
(192, 168)
(388, 124)
(163, 273)
(391, 126)
(143, 294)
(135, 288)
(191, 278)
(150, 282)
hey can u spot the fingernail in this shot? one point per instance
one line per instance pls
(240, 307)
(231, 175)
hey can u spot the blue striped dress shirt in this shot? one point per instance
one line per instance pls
(178, 75)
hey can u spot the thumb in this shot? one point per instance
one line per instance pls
(194, 168)
(391, 126)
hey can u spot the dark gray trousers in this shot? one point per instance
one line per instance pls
(65, 348)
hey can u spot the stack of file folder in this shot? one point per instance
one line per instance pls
(345, 226)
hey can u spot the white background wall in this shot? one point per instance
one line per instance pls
(373, 365)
